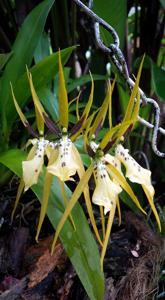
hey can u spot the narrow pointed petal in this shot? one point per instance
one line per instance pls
(135, 113)
(119, 211)
(90, 100)
(114, 134)
(130, 107)
(52, 126)
(76, 195)
(151, 202)
(110, 102)
(100, 117)
(124, 184)
(88, 127)
(66, 200)
(81, 172)
(46, 191)
(45, 198)
(107, 234)
(39, 110)
(102, 221)
(63, 98)
(82, 122)
(76, 129)
(18, 109)
(19, 193)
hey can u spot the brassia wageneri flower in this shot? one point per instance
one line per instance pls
(66, 163)
(106, 191)
(35, 160)
(64, 160)
(135, 173)
(106, 168)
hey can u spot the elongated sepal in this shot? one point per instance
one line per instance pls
(100, 117)
(45, 199)
(39, 110)
(52, 126)
(151, 202)
(77, 127)
(32, 132)
(109, 146)
(110, 102)
(66, 200)
(62, 97)
(19, 193)
(124, 184)
(90, 100)
(97, 130)
(75, 196)
(87, 128)
(102, 220)
(107, 234)
(119, 211)
(81, 172)
(90, 151)
(134, 102)
(114, 135)
(18, 109)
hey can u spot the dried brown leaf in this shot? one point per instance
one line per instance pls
(46, 264)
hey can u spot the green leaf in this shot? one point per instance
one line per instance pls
(43, 48)
(80, 244)
(113, 12)
(4, 59)
(163, 3)
(23, 50)
(50, 102)
(158, 80)
(157, 76)
(73, 84)
(42, 74)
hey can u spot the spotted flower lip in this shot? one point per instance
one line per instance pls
(32, 167)
(66, 163)
(110, 159)
(106, 191)
(134, 171)
(140, 175)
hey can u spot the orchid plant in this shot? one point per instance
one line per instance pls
(108, 157)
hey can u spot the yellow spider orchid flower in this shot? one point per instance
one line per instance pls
(134, 172)
(106, 191)
(137, 174)
(32, 167)
(66, 163)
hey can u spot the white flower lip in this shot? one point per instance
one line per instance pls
(134, 171)
(66, 164)
(106, 191)
(33, 167)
